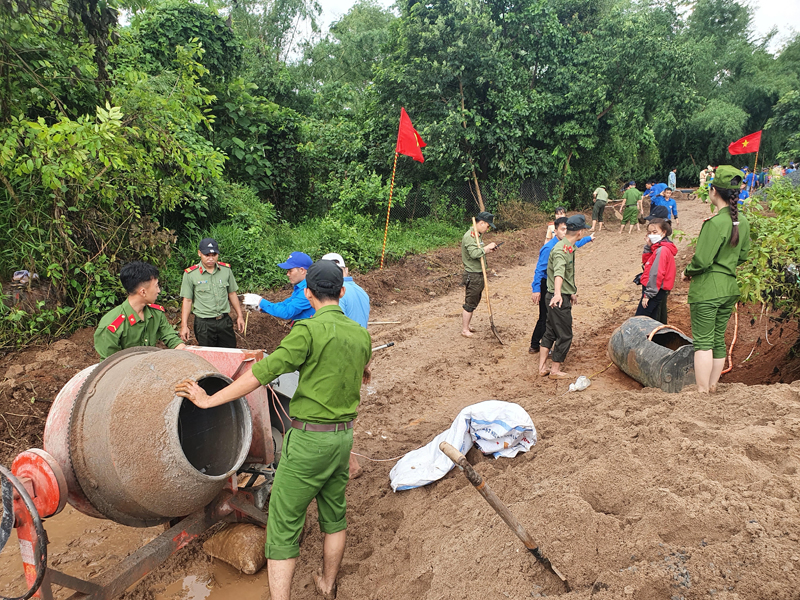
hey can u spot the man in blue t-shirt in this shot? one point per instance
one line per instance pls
(654, 193)
(355, 302)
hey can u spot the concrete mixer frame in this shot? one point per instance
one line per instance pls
(36, 488)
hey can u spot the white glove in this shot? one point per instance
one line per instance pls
(251, 300)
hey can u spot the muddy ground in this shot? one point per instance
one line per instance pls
(631, 492)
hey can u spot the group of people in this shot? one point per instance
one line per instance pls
(722, 245)
(632, 203)
(753, 180)
(328, 344)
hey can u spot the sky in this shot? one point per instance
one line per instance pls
(783, 14)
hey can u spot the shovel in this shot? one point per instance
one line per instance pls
(486, 284)
(501, 509)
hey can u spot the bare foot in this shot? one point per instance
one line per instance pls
(331, 593)
(466, 334)
(558, 375)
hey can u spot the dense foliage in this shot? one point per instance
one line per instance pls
(240, 120)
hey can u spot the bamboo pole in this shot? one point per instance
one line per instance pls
(755, 173)
(389, 209)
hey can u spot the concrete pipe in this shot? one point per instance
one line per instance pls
(139, 454)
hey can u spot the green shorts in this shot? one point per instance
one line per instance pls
(630, 214)
(313, 465)
(709, 322)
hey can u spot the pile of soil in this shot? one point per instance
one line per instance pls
(631, 492)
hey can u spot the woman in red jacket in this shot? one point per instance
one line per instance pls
(658, 276)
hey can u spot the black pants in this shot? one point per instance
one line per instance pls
(558, 334)
(541, 323)
(656, 307)
(217, 333)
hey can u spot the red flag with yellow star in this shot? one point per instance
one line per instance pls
(409, 142)
(747, 144)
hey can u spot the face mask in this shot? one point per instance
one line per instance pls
(654, 237)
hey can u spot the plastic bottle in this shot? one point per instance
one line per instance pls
(581, 383)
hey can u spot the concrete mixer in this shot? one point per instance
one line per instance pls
(120, 445)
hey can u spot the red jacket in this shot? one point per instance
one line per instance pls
(659, 267)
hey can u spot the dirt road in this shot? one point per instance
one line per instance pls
(633, 493)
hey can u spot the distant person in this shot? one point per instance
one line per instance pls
(296, 307)
(658, 272)
(355, 302)
(562, 294)
(137, 321)
(551, 227)
(600, 197)
(743, 194)
(751, 180)
(631, 207)
(722, 245)
(703, 176)
(654, 193)
(672, 207)
(472, 251)
(539, 284)
(209, 291)
(672, 180)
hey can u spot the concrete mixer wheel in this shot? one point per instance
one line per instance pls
(9, 484)
(277, 444)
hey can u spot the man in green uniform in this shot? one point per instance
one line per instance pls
(632, 207)
(332, 354)
(209, 291)
(562, 295)
(600, 197)
(472, 252)
(137, 321)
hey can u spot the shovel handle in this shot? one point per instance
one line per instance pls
(488, 494)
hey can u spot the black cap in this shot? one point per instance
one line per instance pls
(324, 276)
(208, 246)
(486, 216)
(659, 212)
(576, 223)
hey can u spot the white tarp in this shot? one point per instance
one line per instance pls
(498, 428)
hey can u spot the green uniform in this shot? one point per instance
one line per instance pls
(713, 290)
(601, 199)
(330, 352)
(631, 210)
(209, 291)
(471, 253)
(562, 264)
(122, 328)
(210, 304)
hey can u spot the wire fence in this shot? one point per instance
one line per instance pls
(460, 201)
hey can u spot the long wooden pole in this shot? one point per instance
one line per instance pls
(389, 209)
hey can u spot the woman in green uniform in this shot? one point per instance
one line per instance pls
(723, 244)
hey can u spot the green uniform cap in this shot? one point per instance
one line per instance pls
(728, 177)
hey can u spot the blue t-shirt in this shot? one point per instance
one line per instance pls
(294, 308)
(540, 274)
(750, 179)
(671, 206)
(355, 302)
(743, 195)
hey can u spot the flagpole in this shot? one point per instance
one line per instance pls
(388, 210)
(755, 174)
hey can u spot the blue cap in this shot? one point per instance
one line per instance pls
(295, 260)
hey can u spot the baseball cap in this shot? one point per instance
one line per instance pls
(727, 177)
(659, 212)
(324, 276)
(337, 258)
(295, 260)
(486, 216)
(208, 246)
(576, 223)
